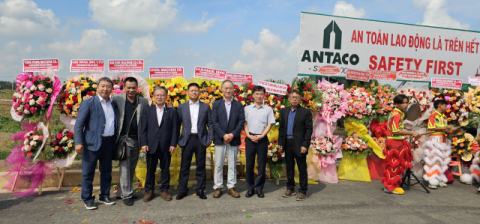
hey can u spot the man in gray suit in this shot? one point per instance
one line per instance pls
(128, 113)
(195, 138)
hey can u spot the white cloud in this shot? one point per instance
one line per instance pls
(232, 24)
(313, 9)
(342, 8)
(23, 19)
(436, 15)
(11, 57)
(143, 47)
(211, 64)
(197, 26)
(271, 57)
(134, 16)
(186, 52)
(93, 42)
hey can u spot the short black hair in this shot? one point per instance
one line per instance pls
(437, 103)
(193, 84)
(131, 79)
(258, 88)
(296, 91)
(160, 87)
(105, 79)
(399, 99)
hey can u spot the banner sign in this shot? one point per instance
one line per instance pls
(85, 65)
(239, 78)
(39, 65)
(125, 65)
(447, 83)
(358, 75)
(166, 72)
(209, 73)
(275, 88)
(474, 81)
(332, 45)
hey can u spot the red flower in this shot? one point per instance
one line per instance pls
(309, 85)
(75, 99)
(69, 134)
(306, 89)
(59, 136)
(240, 98)
(90, 93)
(313, 91)
(60, 149)
(266, 94)
(57, 142)
(250, 97)
(279, 156)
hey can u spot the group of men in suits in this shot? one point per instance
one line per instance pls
(102, 121)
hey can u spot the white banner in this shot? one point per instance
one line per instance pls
(331, 45)
(275, 88)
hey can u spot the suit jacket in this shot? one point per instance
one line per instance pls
(90, 124)
(119, 100)
(203, 121)
(234, 125)
(302, 128)
(164, 136)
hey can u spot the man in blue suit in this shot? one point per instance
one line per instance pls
(195, 138)
(95, 141)
(228, 119)
(159, 139)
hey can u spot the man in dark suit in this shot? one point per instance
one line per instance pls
(195, 138)
(228, 119)
(95, 141)
(159, 139)
(294, 137)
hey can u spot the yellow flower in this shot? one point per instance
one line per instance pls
(162, 84)
(175, 104)
(217, 92)
(243, 103)
(52, 149)
(208, 83)
(249, 91)
(56, 148)
(79, 99)
(86, 85)
(82, 76)
(178, 90)
(455, 143)
(241, 88)
(182, 101)
(70, 145)
(173, 93)
(94, 86)
(64, 138)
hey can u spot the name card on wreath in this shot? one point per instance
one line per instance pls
(274, 88)
(125, 65)
(39, 65)
(166, 72)
(86, 65)
(209, 73)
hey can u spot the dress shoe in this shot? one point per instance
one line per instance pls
(149, 195)
(90, 205)
(289, 193)
(201, 194)
(260, 194)
(128, 201)
(217, 193)
(166, 196)
(118, 196)
(249, 194)
(232, 191)
(301, 197)
(106, 201)
(180, 196)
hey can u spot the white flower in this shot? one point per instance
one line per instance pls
(41, 87)
(33, 143)
(33, 88)
(35, 137)
(25, 142)
(49, 90)
(75, 79)
(270, 154)
(274, 150)
(275, 159)
(32, 102)
(26, 111)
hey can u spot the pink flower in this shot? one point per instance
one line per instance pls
(139, 90)
(59, 136)
(29, 84)
(42, 103)
(33, 110)
(27, 106)
(117, 91)
(121, 83)
(43, 94)
(40, 137)
(37, 93)
(123, 77)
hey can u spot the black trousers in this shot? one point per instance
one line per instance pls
(259, 149)
(193, 146)
(152, 161)
(291, 157)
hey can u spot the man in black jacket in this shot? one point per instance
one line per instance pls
(295, 133)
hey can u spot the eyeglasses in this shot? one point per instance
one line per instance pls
(294, 97)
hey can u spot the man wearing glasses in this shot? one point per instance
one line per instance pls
(295, 133)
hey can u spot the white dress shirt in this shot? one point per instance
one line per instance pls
(228, 106)
(194, 109)
(109, 117)
(160, 114)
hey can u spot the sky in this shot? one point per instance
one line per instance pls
(248, 37)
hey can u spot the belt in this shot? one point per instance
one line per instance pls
(252, 133)
(289, 136)
(107, 138)
(194, 134)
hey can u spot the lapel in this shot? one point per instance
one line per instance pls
(199, 113)
(99, 107)
(154, 111)
(297, 115)
(188, 111)
(164, 117)
(139, 110)
(121, 108)
(231, 109)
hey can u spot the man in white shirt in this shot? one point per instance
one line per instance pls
(195, 138)
(95, 141)
(159, 140)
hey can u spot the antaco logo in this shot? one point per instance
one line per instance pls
(327, 56)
